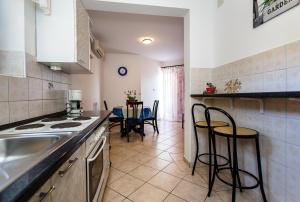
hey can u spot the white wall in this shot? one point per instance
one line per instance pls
(142, 76)
(12, 28)
(90, 84)
(150, 80)
(235, 37)
(171, 63)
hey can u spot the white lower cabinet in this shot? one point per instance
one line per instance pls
(68, 182)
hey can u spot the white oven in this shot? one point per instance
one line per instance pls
(97, 165)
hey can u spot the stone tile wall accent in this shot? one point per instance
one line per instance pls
(23, 98)
(279, 126)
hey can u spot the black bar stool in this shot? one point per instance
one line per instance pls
(203, 124)
(233, 133)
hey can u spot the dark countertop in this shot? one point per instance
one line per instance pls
(28, 183)
(289, 94)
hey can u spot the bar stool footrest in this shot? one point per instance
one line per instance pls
(237, 186)
(212, 155)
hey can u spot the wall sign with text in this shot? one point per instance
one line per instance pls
(265, 10)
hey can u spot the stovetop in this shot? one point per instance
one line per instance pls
(56, 124)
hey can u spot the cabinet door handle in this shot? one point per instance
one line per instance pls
(71, 163)
(44, 195)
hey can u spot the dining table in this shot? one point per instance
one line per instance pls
(121, 111)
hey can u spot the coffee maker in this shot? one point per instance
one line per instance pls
(74, 100)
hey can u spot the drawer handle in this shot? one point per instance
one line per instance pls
(71, 163)
(44, 195)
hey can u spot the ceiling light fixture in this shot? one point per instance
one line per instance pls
(146, 40)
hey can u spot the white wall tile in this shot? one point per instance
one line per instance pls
(18, 111)
(35, 89)
(293, 79)
(293, 131)
(18, 89)
(3, 88)
(4, 113)
(35, 108)
(292, 185)
(293, 54)
(275, 81)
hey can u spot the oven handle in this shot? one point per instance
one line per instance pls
(100, 150)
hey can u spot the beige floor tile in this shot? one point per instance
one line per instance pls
(152, 152)
(141, 158)
(114, 174)
(177, 157)
(164, 181)
(158, 163)
(196, 179)
(162, 146)
(190, 192)
(112, 196)
(173, 198)
(126, 166)
(174, 169)
(218, 185)
(166, 156)
(144, 173)
(242, 197)
(175, 150)
(116, 158)
(148, 193)
(127, 200)
(126, 185)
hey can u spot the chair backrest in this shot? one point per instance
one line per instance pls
(155, 108)
(136, 107)
(208, 111)
(105, 105)
(194, 107)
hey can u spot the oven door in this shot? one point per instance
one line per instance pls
(95, 169)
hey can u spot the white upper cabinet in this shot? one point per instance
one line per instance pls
(63, 37)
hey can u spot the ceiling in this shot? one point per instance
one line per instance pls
(120, 33)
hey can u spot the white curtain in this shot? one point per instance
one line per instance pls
(172, 94)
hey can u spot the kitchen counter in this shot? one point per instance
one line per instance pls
(33, 178)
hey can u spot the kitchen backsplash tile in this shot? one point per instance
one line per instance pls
(18, 89)
(35, 108)
(23, 98)
(18, 111)
(279, 125)
(3, 88)
(4, 111)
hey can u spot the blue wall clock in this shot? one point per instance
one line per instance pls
(122, 71)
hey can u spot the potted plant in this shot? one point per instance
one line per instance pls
(210, 88)
(131, 95)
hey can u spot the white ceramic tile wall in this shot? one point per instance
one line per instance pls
(274, 70)
(23, 98)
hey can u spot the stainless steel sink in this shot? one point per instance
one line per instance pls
(14, 147)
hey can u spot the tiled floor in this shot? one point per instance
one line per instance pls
(154, 170)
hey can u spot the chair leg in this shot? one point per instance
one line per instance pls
(234, 170)
(156, 125)
(230, 164)
(153, 125)
(196, 158)
(212, 179)
(121, 126)
(261, 183)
